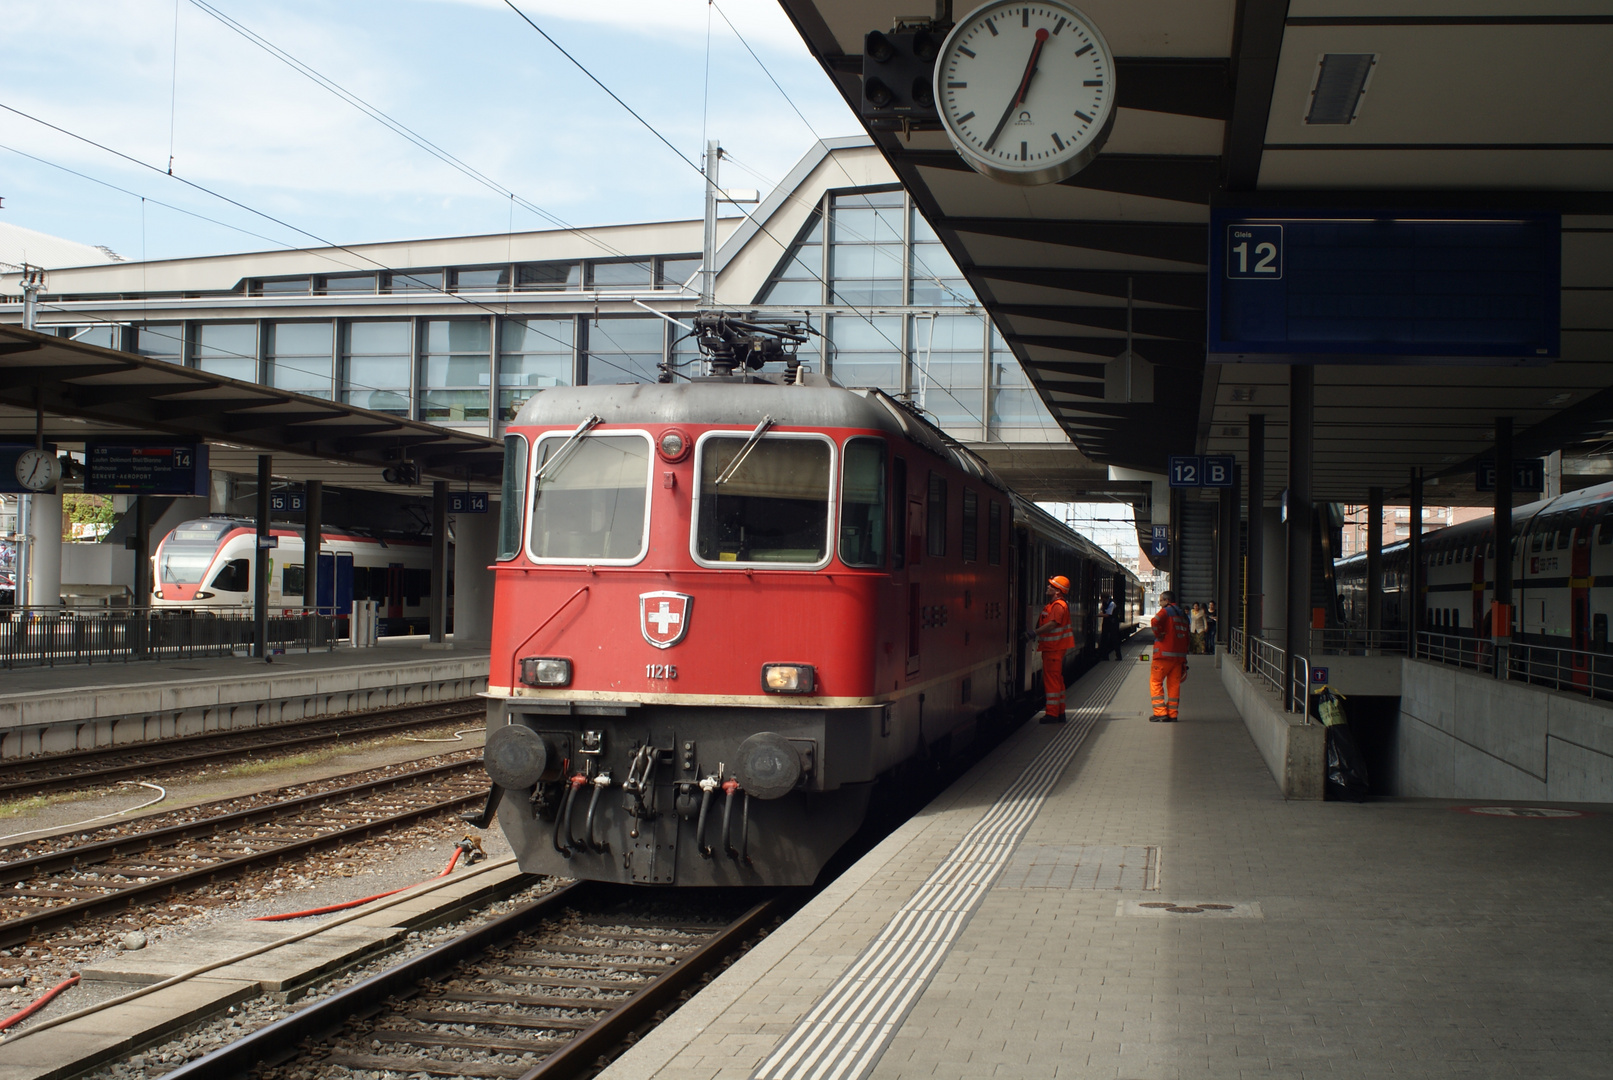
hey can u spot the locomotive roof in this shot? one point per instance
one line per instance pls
(818, 403)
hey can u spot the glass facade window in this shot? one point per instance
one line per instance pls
(936, 279)
(949, 371)
(228, 349)
(300, 356)
(549, 275)
(482, 279)
(350, 283)
(1017, 412)
(376, 362)
(800, 281)
(417, 281)
(680, 273)
(284, 286)
(456, 371)
(103, 334)
(866, 351)
(622, 275)
(532, 354)
(867, 249)
(164, 341)
(626, 350)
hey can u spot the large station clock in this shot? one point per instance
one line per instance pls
(1026, 90)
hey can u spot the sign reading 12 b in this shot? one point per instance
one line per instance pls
(1255, 251)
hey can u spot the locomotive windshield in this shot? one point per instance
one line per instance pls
(188, 552)
(772, 508)
(591, 502)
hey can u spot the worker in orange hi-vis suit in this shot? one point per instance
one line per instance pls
(1054, 638)
(1169, 665)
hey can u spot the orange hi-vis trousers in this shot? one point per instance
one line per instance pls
(1165, 680)
(1053, 682)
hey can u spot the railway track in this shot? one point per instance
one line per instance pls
(81, 768)
(72, 882)
(543, 992)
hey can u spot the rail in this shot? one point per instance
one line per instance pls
(1270, 665)
(1573, 671)
(48, 636)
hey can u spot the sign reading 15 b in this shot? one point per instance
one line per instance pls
(1255, 251)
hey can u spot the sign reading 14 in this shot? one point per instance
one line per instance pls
(1255, 251)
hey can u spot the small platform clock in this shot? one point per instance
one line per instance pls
(38, 470)
(1026, 90)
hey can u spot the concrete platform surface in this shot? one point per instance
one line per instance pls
(1119, 898)
(78, 1045)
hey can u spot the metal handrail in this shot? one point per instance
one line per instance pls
(1299, 688)
(1575, 671)
(41, 636)
(1270, 665)
(1354, 641)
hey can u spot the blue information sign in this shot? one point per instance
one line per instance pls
(467, 502)
(1187, 470)
(1528, 474)
(1319, 675)
(1382, 286)
(1161, 545)
(287, 502)
(1218, 471)
(145, 468)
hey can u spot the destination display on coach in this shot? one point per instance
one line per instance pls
(145, 468)
(1347, 284)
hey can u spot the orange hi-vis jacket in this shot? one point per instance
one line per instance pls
(1055, 634)
(1171, 638)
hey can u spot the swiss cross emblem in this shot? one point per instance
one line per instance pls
(664, 617)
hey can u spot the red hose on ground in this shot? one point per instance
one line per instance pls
(458, 851)
(19, 1017)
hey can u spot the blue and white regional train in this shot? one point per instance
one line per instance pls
(1562, 575)
(207, 564)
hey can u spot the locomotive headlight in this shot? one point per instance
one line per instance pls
(545, 671)
(673, 445)
(788, 678)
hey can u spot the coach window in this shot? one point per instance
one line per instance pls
(590, 498)
(512, 502)
(862, 503)
(935, 525)
(764, 501)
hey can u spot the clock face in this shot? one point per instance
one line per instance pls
(37, 469)
(1026, 90)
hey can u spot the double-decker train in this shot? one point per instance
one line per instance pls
(725, 610)
(207, 564)
(1562, 575)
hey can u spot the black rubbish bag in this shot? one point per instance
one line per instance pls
(1346, 771)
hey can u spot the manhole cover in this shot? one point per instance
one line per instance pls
(1523, 811)
(1170, 909)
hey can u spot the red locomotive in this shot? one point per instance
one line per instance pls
(726, 609)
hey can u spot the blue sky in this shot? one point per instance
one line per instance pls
(468, 75)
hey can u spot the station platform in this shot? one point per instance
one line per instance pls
(78, 706)
(1120, 898)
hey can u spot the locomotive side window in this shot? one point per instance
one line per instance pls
(969, 542)
(936, 517)
(899, 511)
(763, 500)
(862, 503)
(994, 532)
(513, 507)
(592, 503)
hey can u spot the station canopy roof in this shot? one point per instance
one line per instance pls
(89, 393)
(1472, 105)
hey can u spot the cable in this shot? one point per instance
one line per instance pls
(459, 849)
(458, 736)
(162, 793)
(40, 1003)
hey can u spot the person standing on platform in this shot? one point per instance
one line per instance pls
(1109, 639)
(1054, 638)
(1198, 625)
(1169, 663)
(1210, 618)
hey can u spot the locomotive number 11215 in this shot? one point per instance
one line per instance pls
(660, 671)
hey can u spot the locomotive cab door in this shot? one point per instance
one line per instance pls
(915, 558)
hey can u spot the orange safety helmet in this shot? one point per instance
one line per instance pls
(1060, 582)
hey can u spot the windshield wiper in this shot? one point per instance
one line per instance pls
(744, 451)
(566, 447)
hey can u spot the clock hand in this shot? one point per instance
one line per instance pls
(1024, 85)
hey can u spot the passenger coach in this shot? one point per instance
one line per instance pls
(725, 609)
